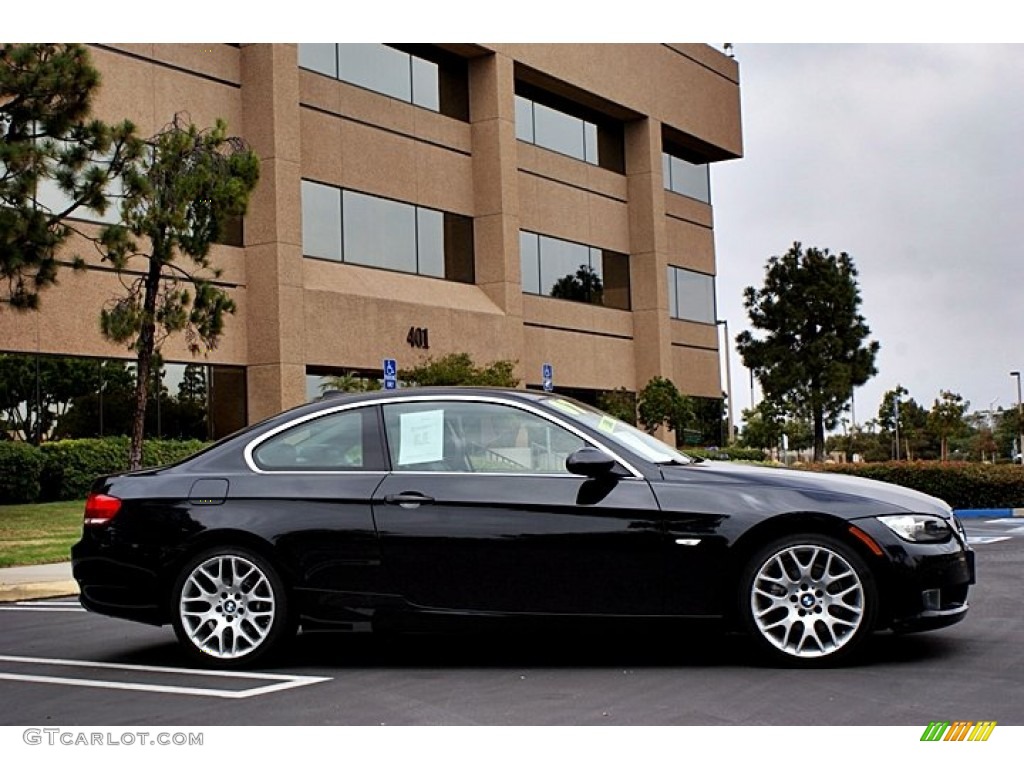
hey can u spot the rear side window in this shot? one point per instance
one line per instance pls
(338, 442)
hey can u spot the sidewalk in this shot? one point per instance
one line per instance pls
(35, 581)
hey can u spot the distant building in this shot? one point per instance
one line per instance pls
(543, 203)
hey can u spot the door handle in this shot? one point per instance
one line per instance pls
(408, 500)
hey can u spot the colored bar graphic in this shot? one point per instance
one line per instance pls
(958, 730)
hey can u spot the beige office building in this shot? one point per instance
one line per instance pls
(544, 203)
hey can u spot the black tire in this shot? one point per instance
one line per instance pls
(808, 600)
(230, 608)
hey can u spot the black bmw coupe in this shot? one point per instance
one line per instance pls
(389, 507)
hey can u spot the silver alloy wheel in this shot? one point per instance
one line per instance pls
(807, 601)
(227, 606)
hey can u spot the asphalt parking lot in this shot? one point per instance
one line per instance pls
(63, 665)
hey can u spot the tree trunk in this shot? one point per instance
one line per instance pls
(145, 347)
(819, 436)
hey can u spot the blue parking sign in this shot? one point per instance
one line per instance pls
(390, 368)
(547, 371)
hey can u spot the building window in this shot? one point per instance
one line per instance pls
(559, 129)
(423, 76)
(52, 397)
(354, 228)
(691, 295)
(686, 178)
(566, 270)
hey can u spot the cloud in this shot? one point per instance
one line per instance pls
(909, 158)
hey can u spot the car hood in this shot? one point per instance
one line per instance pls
(815, 485)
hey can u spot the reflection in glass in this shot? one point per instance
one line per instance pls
(52, 397)
(321, 221)
(559, 258)
(566, 270)
(379, 232)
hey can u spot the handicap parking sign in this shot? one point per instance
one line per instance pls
(390, 368)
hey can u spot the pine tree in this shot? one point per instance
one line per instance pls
(55, 162)
(813, 350)
(178, 195)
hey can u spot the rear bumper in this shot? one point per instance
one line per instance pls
(114, 588)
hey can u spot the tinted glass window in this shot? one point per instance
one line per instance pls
(348, 226)
(686, 178)
(524, 120)
(440, 87)
(475, 437)
(379, 232)
(343, 441)
(564, 132)
(692, 295)
(430, 242)
(321, 221)
(320, 57)
(566, 270)
(376, 67)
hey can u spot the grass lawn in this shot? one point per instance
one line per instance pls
(31, 534)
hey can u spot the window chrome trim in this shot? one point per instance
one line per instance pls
(258, 441)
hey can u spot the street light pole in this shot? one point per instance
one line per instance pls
(1020, 422)
(728, 384)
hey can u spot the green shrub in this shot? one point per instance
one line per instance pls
(961, 485)
(734, 453)
(72, 465)
(20, 466)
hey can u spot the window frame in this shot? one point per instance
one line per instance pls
(377, 403)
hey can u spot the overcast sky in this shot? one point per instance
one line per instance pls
(911, 159)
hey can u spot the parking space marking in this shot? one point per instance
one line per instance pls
(44, 607)
(273, 683)
(972, 540)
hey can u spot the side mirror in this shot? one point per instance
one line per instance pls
(590, 462)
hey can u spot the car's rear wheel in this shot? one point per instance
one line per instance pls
(231, 608)
(808, 599)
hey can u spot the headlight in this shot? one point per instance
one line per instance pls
(918, 528)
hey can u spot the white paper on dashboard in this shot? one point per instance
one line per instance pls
(422, 437)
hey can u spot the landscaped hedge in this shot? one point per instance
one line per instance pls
(20, 467)
(726, 454)
(962, 485)
(65, 469)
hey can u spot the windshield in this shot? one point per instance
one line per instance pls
(619, 432)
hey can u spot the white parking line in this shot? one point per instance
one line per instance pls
(986, 539)
(274, 682)
(43, 607)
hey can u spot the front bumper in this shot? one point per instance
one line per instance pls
(922, 586)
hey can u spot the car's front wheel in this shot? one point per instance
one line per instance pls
(808, 599)
(231, 608)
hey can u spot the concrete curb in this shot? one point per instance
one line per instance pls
(12, 593)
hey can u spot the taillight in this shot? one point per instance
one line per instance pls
(100, 508)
